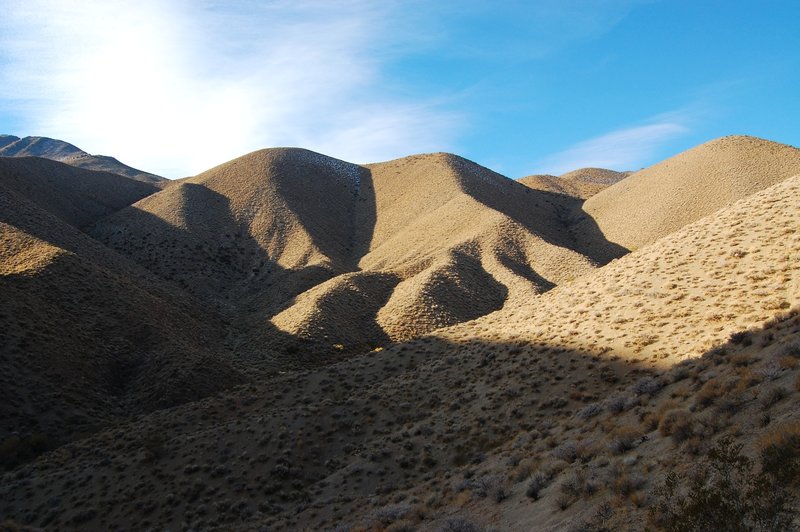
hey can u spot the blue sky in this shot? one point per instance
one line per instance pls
(175, 87)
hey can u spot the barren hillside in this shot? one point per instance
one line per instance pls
(289, 341)
(563, 393)
(69, 366)
(58, 150)
(661, 199)
(437, 239)
(79, 197)
(582, 183)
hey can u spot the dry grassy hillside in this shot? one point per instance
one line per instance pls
(79, 197)
(661, 199)
(454, 241)
(69, 365)
(582, 183)
(268, 225)
(565, 411)
(58, 150)
(409, 245)
(293, 342)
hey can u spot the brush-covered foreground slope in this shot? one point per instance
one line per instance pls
(537, 417)
(407, 246)
(77, 196)
(661, 199)
(582, 183)
(87, 337)
(58, 150)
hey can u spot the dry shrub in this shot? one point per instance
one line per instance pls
(576, 484)
(747, 378)
(624, 439)
(649, 421)
(625, 482)
(710, 392)
(791, 349)
(537, 483)
(772, 396)
(677, 423)
(780, 453)
(724, 492)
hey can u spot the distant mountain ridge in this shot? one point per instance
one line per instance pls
(59, 150)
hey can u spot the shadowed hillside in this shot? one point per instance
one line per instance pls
(78, 197)
(69, 365)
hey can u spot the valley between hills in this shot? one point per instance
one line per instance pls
(289, 341)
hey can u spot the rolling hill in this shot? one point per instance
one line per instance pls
(419, 243)
(455, 427)
(582, 183)
(58, 150)
(289, 341)
(661, 199)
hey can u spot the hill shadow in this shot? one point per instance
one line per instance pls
(574, 228)
(364, 218)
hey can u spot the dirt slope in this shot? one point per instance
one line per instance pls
(457, 241)
(582, 183)
(69, 368)
(440, 240)
(659, 200)
(79, 197)
(571, 386)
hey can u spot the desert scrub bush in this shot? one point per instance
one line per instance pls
(484, 486)
(744, 338)
(624, 439)
(723, 493)
(567, 451)
(780, 453)
(772, 396)
(570, 451)
(624, 482)
(772, 370)
(647, 385)
(536, 484)
(791, 349)
(589, 411)
(389, 514)
(16, 450)
(680, 371)
(710, 392)
(459, 524)
(747, 378)
(677, 423)
(619, 403)
(576, 484)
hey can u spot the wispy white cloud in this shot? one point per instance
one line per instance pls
(176, 87)
(627, 148)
